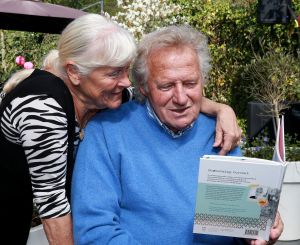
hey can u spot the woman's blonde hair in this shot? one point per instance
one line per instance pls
(93, 41)
(15, 79)
(50, 60)
(89, 41)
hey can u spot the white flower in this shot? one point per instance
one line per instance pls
(142, 16)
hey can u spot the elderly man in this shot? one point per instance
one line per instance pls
(135, 178)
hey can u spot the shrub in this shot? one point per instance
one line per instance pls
(262, 147)
(32, 46)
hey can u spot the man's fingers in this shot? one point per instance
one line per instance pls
(274, 235)
(276, 229)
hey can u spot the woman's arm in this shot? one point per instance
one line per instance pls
(42, 127)
(59, 230)
(228, 133)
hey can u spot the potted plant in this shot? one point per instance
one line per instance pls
(274, 79)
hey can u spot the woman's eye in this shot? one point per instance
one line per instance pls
(115, 73)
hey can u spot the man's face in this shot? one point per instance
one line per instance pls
(174, 86)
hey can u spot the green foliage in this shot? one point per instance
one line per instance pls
(259, 147)
(92, 6)
(234, 38)
(262, 147)
(242, 124)
(110, 6)
(33, 46)
(67, 3)
(292, 148)
(274, 79)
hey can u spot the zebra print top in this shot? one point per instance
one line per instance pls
(39, 124)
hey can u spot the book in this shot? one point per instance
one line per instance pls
(237, 196)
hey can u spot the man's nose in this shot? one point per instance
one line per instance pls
(180, 96)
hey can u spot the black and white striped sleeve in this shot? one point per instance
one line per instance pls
(39, 124)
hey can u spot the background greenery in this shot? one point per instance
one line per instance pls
(236, 40)
(34, 46)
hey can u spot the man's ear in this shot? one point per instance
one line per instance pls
(73, 73)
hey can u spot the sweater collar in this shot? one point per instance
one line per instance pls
(153, 115)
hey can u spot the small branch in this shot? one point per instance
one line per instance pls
(3, 53)
(274, 120)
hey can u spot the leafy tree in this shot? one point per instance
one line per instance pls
(235, 38)
(274, 79)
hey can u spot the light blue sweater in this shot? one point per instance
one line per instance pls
(135, 184)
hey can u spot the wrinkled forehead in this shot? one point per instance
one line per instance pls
(170, 58)
(173, 52)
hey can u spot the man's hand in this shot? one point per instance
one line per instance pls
(275, 233)
(228, 133)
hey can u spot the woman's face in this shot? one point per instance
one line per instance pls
(103, 87)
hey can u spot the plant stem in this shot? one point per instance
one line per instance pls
(3, 53)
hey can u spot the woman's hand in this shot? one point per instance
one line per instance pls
(228, 133)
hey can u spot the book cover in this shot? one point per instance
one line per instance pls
(237, 196)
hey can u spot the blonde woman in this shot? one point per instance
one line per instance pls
(43, 118)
